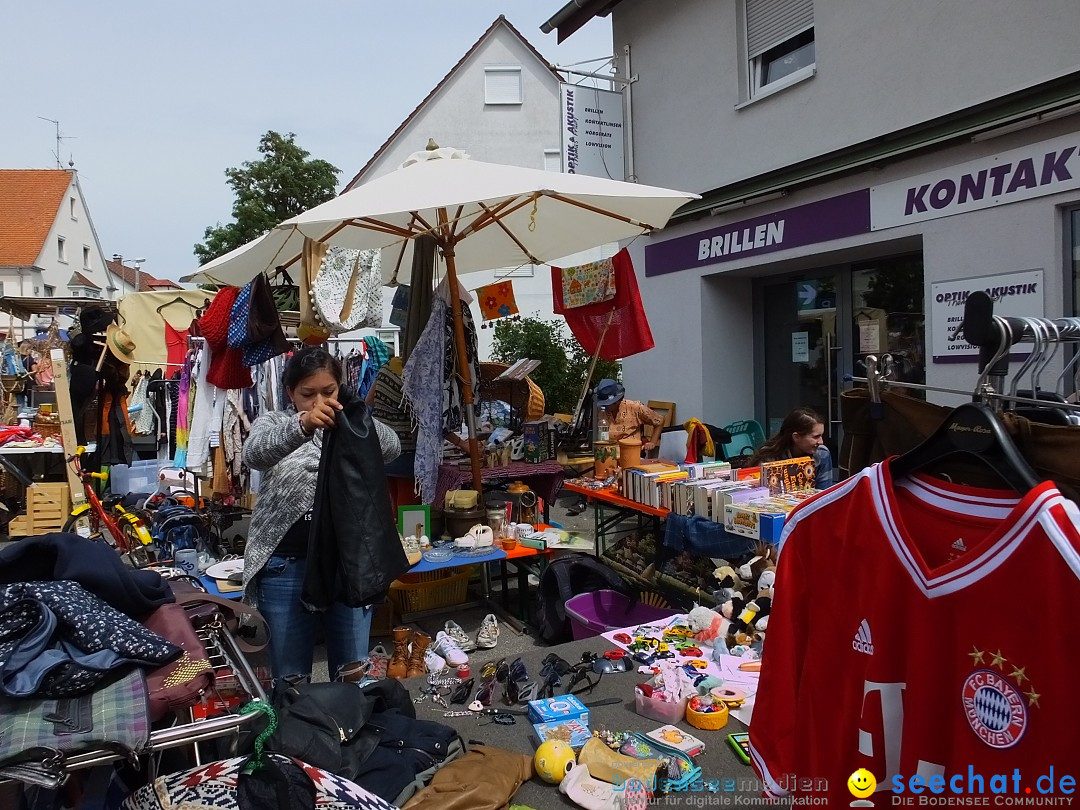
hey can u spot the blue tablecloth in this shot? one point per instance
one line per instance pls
(456, 562)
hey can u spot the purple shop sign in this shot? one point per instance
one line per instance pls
(821, 221)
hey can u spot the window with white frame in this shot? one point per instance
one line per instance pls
(50, 291)
(779, 43)
(72, 209)
(61, 249)
(552, 160)
(525, 271)
(502, 84)
(86, 258)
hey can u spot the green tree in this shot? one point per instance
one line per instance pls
(563, 363)
(283, 183)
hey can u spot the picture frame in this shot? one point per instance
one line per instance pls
(665, 409)
(411, 515)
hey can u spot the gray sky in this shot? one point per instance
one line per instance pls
(162, 98)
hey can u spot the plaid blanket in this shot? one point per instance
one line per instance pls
(37, 735)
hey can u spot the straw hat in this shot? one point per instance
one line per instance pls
(119, 342)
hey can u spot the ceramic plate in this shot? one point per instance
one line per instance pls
(223, 570)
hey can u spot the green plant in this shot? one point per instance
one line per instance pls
(283, 183)
(563, 363)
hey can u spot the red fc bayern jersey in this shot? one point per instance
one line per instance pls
(922, 628)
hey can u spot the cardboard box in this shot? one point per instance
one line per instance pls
(382, 620)
(558, 709)
(755, 521)
(573, 732)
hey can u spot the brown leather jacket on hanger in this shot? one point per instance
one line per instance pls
(906, 422)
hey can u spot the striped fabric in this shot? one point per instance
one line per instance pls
(390, 408)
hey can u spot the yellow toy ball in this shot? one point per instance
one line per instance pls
(553, 760)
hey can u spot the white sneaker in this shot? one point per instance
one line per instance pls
(453, 629)
(488, 636)
(445, 646)
(433, 661)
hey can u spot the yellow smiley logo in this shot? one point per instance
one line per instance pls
(861, 783)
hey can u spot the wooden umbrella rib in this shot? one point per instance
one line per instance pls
(556, 196)
(375, 225)
(513, 238)
(456, 221)
(497, 214)
(486, 218)
(428, 227)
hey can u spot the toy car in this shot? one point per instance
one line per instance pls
(689, 649)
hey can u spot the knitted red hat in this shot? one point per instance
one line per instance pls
(227, 368)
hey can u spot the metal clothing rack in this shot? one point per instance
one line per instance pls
(228, 662)
(996, 335)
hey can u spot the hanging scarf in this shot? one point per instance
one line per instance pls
(426, 364)
(453, 399)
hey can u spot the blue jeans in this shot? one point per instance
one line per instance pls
(293, 629)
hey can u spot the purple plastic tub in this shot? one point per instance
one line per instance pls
(592, 614)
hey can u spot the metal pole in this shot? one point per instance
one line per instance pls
(464, 369)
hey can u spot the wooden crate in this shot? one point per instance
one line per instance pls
(48, 507)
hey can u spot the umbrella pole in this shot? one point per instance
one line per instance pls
(462, 359)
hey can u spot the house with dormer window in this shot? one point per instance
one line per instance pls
(48, 244)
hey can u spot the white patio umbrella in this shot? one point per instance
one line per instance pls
(483, 216)
(277, 248)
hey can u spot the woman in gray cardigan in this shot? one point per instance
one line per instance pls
(285, 446)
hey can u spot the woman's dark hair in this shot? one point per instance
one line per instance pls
(801, 421)
(308, 361)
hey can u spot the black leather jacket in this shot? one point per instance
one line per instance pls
(354, 552)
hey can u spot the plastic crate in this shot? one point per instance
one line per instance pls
(592, 614)
(48, 507)
(446, 591)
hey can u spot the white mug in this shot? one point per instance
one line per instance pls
(187, 560)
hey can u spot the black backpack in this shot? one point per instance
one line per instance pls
(564, 578)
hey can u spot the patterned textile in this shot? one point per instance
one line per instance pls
(454, 397)
(588, 283)
(289, 463)
(213, 787)
(238, 318)
(115, 717)
(58, 639)
(347, 292)
(379, 351)
(182, 423)
(390, 407)
(426, 363)
(497, 300)
(144, 419)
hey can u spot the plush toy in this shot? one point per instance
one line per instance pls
(707, 624)
(729, 584)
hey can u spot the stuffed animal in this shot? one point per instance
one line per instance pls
(707, 624)
(729, 584)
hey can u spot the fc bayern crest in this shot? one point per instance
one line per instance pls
(994, 708)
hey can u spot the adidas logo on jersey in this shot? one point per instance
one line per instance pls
(960, 545)
(862, 641)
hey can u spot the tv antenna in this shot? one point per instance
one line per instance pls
(59, 138)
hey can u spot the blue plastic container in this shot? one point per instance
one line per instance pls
(592, 614)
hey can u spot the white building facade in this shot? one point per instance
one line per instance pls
(48, 244)
(499, 104)
(862, 167)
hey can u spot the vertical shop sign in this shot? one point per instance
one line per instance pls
(592, 132)
(1016, 294)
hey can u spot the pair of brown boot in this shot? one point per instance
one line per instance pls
(407, 660)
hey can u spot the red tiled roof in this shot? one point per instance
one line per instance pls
(386, 144)
(29, 200)
(146, 280)
(79, 280)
